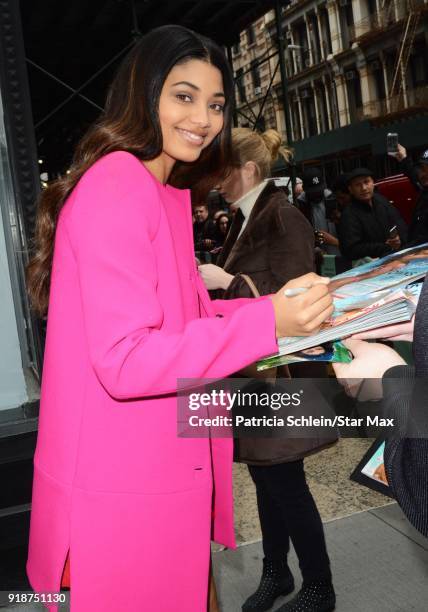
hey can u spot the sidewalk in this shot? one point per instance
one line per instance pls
(379, 564)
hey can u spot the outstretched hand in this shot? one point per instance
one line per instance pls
(362, 378)
(400, 332)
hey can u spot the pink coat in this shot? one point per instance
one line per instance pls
(128, 315)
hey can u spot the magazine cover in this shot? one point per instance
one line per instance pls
(370, 471)
(390, 271)
(378, 293)
(352, 315)
(419, 251)
(330, 352)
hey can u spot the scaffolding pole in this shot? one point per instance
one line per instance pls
(282, 47)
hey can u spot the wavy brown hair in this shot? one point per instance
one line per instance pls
(130, 123)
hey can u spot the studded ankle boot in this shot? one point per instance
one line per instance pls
(276, 580)
(314, 596)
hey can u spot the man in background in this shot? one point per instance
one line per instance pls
(369, 226)
(204, 232)
(318, 205)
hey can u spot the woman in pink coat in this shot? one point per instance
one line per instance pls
(114, 487)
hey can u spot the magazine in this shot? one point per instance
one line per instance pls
(329, 352)
(394, 270)
(370, 471)
(376, 294)
(373, 468)
(397, 307)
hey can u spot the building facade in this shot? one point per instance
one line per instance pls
(356, 69)
(254, 74)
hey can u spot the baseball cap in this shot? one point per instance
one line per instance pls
(423, 158)
(313, 180)
(357, 172)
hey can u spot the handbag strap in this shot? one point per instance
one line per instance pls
(251, 285)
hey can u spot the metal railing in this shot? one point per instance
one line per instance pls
(376, 21)
(385, 18)
(413, 99)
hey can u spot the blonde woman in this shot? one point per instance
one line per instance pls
(271, 242)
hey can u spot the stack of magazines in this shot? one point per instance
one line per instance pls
(379, 293)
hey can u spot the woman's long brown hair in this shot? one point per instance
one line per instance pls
(130, 123)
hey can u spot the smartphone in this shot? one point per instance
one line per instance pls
(393, 232)
(392, 142)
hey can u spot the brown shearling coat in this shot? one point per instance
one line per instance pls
(276, 245)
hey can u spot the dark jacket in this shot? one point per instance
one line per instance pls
(405, 396)
(276, 245)
(203, 231)
(418, 228)
(364, 229)
(328, 205)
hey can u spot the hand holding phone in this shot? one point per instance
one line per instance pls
(394, 239)
(393, 232)
(392, 143)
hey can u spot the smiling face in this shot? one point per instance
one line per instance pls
(191, 109)
(362, 188)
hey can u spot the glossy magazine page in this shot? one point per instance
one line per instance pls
(376, 294)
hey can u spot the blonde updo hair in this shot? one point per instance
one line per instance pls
(262, 149)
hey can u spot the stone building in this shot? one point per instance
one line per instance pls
(356, 70)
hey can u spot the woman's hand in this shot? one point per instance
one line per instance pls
(215, 277)
(399, 332)
(303, 314)
(362, 377)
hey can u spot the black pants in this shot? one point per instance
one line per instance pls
(287, 511)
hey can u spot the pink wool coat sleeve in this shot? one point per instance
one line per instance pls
(124, 318)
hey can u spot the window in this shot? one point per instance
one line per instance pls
(375, 65)
(418, 69)
(251, 37)
(325, 25)
(297, 128)
(309, 114)
(349, 13)
(239, 80)
(255, 73)
(322, 107)
(18, 369)
(372, 6)
(353, 86)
